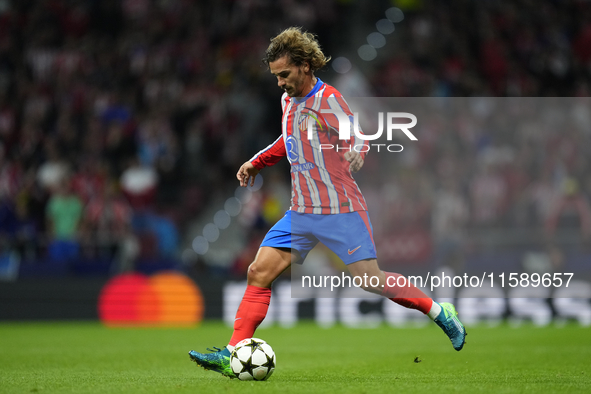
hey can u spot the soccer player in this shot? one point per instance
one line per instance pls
(327, 205)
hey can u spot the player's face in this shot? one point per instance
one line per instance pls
(289, 76)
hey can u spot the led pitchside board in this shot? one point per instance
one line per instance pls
(168, 299)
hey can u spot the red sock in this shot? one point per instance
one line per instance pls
(406, 294)
(251, 312)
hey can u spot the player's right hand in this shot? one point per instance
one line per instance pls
(355, 159)
(247, 172)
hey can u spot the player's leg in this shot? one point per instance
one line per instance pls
(391, 285)
(350, 236)
(400, 290)
(279, 248)
(268, 264)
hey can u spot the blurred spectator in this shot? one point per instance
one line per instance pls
(106, 228)
(11, 176)
(29, 148)
(158, 149)
(90, 179)
(30, 204)
(64, 214)
(407, 204)
(19, 228)
(543, 195)
(449, 222)
(119, 147)
(158, 236)
(571, 210)
(54, 170)
(138, 183)
(488, 194)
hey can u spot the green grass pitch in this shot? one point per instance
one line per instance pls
(89, 358)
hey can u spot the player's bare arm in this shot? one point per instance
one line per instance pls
(246, 173)
(355, 159)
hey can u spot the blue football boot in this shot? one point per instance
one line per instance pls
(451, 325)
(218, 360)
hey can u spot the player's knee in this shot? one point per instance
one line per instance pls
(257, 275)
(253, 272)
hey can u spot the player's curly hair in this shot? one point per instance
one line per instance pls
(300, 46)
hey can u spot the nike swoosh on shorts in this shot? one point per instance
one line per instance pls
(353, 251)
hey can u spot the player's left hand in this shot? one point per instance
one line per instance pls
(355, 159)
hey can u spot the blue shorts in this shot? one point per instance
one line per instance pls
(348, 235)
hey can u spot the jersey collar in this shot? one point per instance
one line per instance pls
(314, 90)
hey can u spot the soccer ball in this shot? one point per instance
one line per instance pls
(252, 359)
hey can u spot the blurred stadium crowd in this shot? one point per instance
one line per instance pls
(121, 122)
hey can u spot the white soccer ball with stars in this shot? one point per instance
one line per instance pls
(253, 359)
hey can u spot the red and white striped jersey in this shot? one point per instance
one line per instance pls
(321, 181)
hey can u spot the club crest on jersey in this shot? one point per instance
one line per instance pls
(309, 115)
